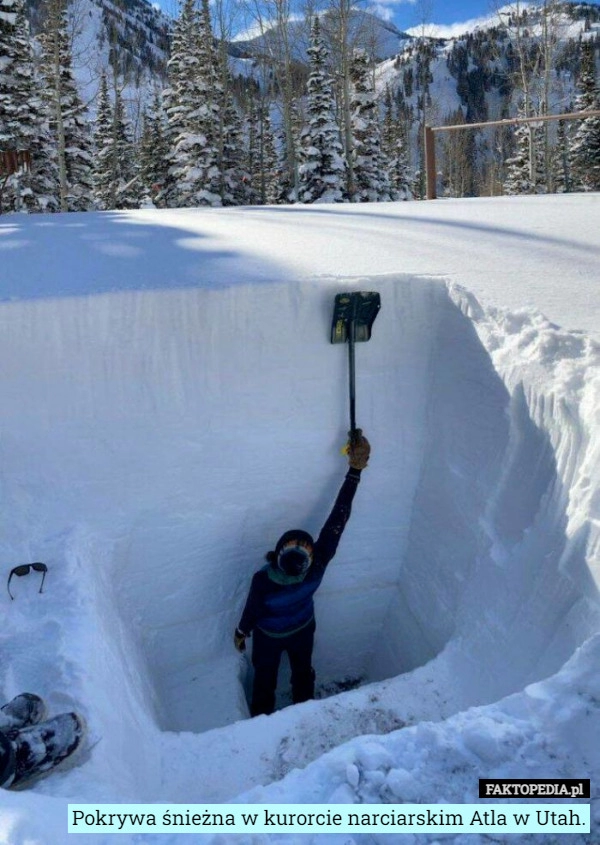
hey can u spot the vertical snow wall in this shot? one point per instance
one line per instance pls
(155, 445)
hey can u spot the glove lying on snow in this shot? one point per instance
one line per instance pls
(239, 640)
(358, 449)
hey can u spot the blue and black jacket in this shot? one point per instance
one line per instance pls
(280, 606)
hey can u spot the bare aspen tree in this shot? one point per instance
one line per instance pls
(340, 36)
(424, 15)
(345, 27)
(225, 17)
(553, 22)
(53, 36)
(534, 34)
(271, 20)
(459, 158)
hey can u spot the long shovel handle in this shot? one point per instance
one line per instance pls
(352, 378)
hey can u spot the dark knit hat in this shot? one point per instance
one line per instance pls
(293, 560)
(295, 535)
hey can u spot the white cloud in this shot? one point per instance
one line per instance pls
(258, 28)
(382, 10)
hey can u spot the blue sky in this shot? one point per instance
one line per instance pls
(407, 14)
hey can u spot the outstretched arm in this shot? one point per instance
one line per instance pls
(329, 538)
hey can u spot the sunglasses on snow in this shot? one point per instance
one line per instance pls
(25, 569)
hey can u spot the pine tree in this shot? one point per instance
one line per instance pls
(127, 171)
(23, 118)
(271, 173)
(176, 104)
(253, 132)
(67, 114)
(389, 129)
(104, 153)
(370, 179)
(561, 168)
(192, 107)
(585, 145)
(322, 164)
(153, 152)
(395, 149)
(117, 172)
(211, 107)
(286, 187)
(525, 169)
(10, 58)
(237, 188)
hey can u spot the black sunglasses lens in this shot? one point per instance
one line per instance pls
(39, 567)
(21, 570)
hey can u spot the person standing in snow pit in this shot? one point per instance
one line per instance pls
(31, 747)
(279, 611)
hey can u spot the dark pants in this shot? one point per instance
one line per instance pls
(7, 760)
(266, 656)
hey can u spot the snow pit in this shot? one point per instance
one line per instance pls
(183, 461)
(467, 492)
(391, 599)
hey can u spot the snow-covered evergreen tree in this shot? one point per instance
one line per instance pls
(252, 130)
(322, 164)
(286, 190)
(68, 121)
(525, 168)
(153, 151)
(117, 171)
(237, 189)
(9, 60)
(192, 107)
(271, 173)
(394, 148)
(561, 167)
(104, 149)
(585, 144)
(128, 187)
(370, 178)
(23, 117)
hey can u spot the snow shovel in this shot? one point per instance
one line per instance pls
(353, 318)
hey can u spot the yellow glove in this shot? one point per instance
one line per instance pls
(239, 640)
(358, 450)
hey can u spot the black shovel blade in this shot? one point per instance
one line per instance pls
(361, 307)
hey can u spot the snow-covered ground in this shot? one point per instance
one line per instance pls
(171, 403)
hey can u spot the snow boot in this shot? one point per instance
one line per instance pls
(24, 710)
(39, 749)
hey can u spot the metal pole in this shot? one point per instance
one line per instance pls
(430, 168)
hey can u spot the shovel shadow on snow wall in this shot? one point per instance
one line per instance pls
(488, 561)
(108, 252)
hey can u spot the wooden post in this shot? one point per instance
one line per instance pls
(430, 168)
(11, 162)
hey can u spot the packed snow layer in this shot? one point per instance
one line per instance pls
(172, 404)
